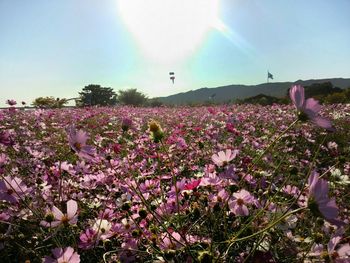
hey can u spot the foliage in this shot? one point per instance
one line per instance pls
(338, 97)
(263, 100)
(154, 103)
(95, 95)
(49, 102)
(131, 97)
(320, 89)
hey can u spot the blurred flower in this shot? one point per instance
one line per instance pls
(11, 102)
(319, 202)
(308, 109)
(5, 138)
(63, 255)
(340, 255)
(223, 158)
(77, 141)
(126, 124)
(12, 189)
(157, 133)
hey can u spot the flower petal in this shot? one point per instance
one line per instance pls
(72, 208)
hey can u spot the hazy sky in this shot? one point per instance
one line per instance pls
(56, 47)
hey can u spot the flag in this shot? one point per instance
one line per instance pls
(269, 75)
(172, 76)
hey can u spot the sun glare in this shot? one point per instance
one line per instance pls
(169, 30)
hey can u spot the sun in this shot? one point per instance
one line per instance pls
(169, 30)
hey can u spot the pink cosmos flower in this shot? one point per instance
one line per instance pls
(192, 185)
(223, 158)
(308, 109)
(88, 239)
(340, 255)
(319, 202)
(5, 138)
(56, 217)
(239, 205)
(63, 255)
(77, 141)
(126, 124)
(12, 189)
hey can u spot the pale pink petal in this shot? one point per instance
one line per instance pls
(312, 105)
(344, 250)
(297, 95)
(75, 258)
(72, 208)
(332, 243)
(215, 158)
(323, 122)
(68, 252)
(55, 223)
(57, 213)
(222, 155)
(228, 155)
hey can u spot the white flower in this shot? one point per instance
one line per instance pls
(335, 172)
(102, 228)
(332, 145)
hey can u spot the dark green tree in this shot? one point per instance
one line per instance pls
(96, 95)
(131, 97)
(49, 102)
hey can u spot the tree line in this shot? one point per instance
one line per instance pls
(96, 95)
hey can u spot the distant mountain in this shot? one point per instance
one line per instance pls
(233, 92)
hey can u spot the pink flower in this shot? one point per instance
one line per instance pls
(192, 185)
(63, 255)
(340, 255)
(223, 158)
(5, 138)
(56, 217)
(88, 239)
(126, 124)
(319, 202)
(12, 189)
(77, 141)
(239, 205)
(308, 109)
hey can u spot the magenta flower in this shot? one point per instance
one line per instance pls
(5, 138)
(223, 158)
(63, 255)
(308, 109)
(77, 141)
(192, 185)
(12, 189)
(239, 205)
(126, 124)
(319, 202)
(56, 217)
(88, 239)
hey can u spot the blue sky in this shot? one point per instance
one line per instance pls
(56, 47)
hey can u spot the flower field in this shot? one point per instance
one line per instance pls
(238, 183)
